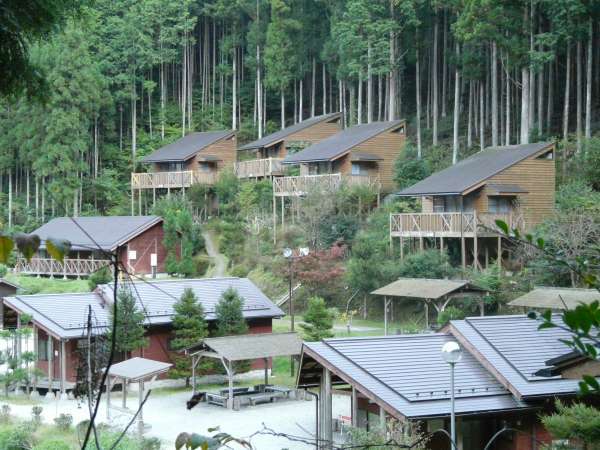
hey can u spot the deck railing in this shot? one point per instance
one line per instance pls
(258, 168)
(450, 223)
(180, 179)
(69, 266)
(303, 184)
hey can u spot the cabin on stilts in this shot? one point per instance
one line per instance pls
(195, 159)
(263, 158)
(362, 155)
(460, 204)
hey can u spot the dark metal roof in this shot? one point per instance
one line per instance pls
(107, 232)
(516, 350)
(65, 315)
(407, 375)
(136, 369)
(340, 143)
(280, 135)
(471, 171)
(186, 147)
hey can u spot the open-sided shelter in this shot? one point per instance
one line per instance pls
(556, 298)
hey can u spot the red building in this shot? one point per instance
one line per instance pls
(137, 239)
(59, 320)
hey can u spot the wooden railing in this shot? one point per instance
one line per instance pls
(181, 179)
(69, 267)
(256, 168)
(303, 184)
(450, 224)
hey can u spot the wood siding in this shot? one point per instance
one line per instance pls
(224, 149)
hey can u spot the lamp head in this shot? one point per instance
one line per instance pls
(304, 251)
(451, 352)
(287, 252)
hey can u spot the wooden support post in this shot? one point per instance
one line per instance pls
(266, 361)
(463, 252)
(487, 257)
(274, 219)
(482, 306)
(63, 367)
(499, 259)
(109, 385)
(154, 196)
(140, 418)
(441, 244)
(35, 353)
(326, 418)
(282, 213)
(1, 314)
(385, 315)
(132, 201)
(124, 390)
(475, 253)
(382, 420)
(50, 363)
(230, 380)
(426, 304)
(140, 202)
(18, 337)
(421, 246)
(354, 406)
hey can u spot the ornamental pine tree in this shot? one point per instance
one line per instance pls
(129, 329)
(318, 320)
(189, 327)
(230, 318)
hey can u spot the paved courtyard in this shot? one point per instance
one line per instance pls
(167, 415)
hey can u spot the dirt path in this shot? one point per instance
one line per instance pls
(219, 268)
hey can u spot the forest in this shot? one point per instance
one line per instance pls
(123, 78)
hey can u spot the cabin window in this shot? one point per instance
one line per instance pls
(173, 166)
(452, 203)
(499, 205)
(204, 167)
(547, 155)
(356, 170)
(42, 353)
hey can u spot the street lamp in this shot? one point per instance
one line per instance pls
(288, 254)
(452, 354)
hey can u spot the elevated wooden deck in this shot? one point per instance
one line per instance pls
(67, 268)
(172, 180)
(303, 184)
(259, 168)
(453, 224)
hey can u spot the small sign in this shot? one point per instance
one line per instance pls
(132, 254)
(153, 259)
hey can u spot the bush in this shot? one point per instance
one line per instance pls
(5, 413)
(54, 444)
(408, 169)
(17, 438)
(3, 270)
(427, 264)
(36, 414)
(201, 264)
(318, 320)
(101, 276)
(64, 421)
(450, 313)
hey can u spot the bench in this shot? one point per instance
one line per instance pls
(216, 399)
(265, 397)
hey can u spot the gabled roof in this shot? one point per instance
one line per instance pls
(250, 346)
(280, 135)
(514, 350)
(426, 288)
(65, 315)
(136, 369)
(186, 147)
(341, 143)
(556, 298)
(107, 232)
(406, 375)
(470, 172)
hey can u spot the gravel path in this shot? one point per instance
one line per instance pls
(167, 416)
(220, 262)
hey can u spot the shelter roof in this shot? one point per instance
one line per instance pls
(556, 298)
(138, 369)
(426, 288)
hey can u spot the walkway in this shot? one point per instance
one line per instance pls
(219, 268)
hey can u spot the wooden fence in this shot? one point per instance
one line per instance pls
(69, 267)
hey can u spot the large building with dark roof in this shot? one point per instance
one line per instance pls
(514, 184)
(498, 380)
(59, 320)
(138, 240)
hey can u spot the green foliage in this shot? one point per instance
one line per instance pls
(36, 415)
(577, 422)
(450, 313)
(182, 238)
(408, 169)
(229, 315)
(130, 331)
(189, 327)
(18, 437)
(227, 188)
(426, 264)
(402, 434)
(318, 320)
(101, 276)
(64, 421)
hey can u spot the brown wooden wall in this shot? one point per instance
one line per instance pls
(538, 178)
(225, 149)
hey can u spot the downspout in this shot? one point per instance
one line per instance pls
(316, 396)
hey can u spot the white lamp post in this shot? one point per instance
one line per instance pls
(452, 353)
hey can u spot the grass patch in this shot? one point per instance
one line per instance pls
(33, 285)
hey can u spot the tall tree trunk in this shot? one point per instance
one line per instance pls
(550, 98)
(418, 101)
(588, 84)
(524, 105)
(567, 94)
(360, 99)
(300, 102)
(481, 116)
(10, 199)
(508, 106)
(540, 101)
(379, 96)
(456, 106)
(183, 101)
(369, 86)
(150, 112)
(133, 125)
(96, 147)
(234, 100)
(494, 94)
(444, 63)
(393, 71)
(162, 95)
(579, 93)
(313, 87)
(324, 90)
(470, 117)
(282, 107)
(434, 75)
(259, 99)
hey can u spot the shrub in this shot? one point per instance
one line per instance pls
(201, 263)
(450, 313)
(318, 320)
(64, 421)
(408, 169)
(36, 414)
(101, 276)
(17, 438)
(5, 413)
(53, 444)
(150, 444)
(427, 264)
(3, 270)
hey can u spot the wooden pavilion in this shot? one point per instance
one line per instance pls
(555, 298)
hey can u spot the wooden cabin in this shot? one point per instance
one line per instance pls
(263, 157)
(360, 155)
(138, 240)
(514, 183)
(197, 158)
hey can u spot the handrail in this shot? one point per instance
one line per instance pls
(69, 266)
(302, 184)
(179, 179)
(258, 167)
(451, 222)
